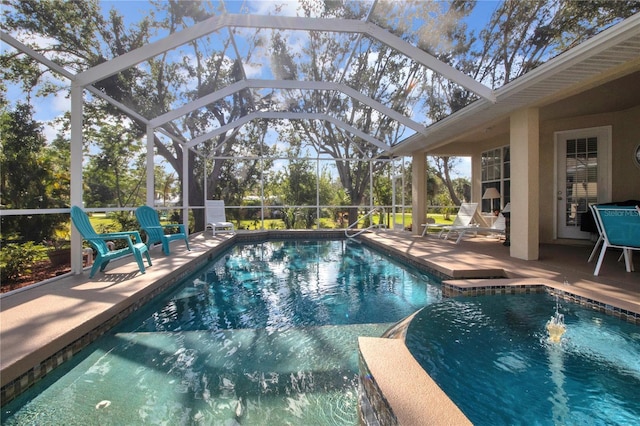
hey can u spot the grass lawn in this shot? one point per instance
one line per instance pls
(100, 221)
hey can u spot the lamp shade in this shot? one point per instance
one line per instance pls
(490, 194)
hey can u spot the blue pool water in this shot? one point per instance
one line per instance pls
(264, 335)
(493, 357)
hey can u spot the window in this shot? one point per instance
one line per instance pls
(496, 173)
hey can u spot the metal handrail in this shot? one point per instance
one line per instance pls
(379, 226)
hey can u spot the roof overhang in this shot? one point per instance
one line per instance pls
(608, 56)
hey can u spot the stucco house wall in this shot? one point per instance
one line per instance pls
(625, 176)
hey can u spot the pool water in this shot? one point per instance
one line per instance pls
(265, 334)
(493, 357)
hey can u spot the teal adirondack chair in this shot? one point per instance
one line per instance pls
(99, 242)
(150, 223)
(619, 227)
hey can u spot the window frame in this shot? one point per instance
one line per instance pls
(495, 172)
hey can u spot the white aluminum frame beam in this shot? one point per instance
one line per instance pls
(68, 74)
(286, 85)
(215, 23)
(276, 115)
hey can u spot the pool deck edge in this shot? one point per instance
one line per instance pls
(407, 395)
(46, 325)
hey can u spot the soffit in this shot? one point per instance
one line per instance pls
(599, 59)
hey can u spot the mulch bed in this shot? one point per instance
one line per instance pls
(40, 271)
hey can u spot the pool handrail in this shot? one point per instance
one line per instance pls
(354, 224)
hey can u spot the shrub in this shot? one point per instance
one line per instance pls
(17, 259)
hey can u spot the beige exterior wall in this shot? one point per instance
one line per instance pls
(525, 188)
(418, 192)
(625, 175)
(626, 137)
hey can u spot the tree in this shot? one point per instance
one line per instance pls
(520, 36)
(80, 38)
(297, 186)
(27, 178)
(115, 171)
(382, 192)
(443, 167)
(378, 71)
(524, 34)
(164, 184)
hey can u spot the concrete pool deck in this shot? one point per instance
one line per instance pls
(42, 326)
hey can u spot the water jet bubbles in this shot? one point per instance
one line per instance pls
(555, 326)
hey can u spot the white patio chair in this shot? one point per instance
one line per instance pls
(216, 217)
(499, 227)
(466, 213)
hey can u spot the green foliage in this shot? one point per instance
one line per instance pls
(30, 176)
(289, 217)
(521, 35)
(115, 172)
(296, 185)
(175, 217)
(120, 221)
(442, 199)
(126, 221)
(299, 181)
(308, 217)
(166, 184)
(17, 259)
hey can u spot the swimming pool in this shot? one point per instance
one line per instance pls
(265, 334)
(493, 357)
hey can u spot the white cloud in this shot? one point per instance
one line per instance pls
(274, 7)
(60, 103)
(47, 109)
(253, 69)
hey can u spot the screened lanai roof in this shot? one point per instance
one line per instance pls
(367, 69)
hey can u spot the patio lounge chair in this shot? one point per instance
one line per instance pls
(216, 218)
(620, 227)
(99, 242)
(150, 224)
(498, 227)
(466, 213)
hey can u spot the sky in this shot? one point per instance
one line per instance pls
(54, 105)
